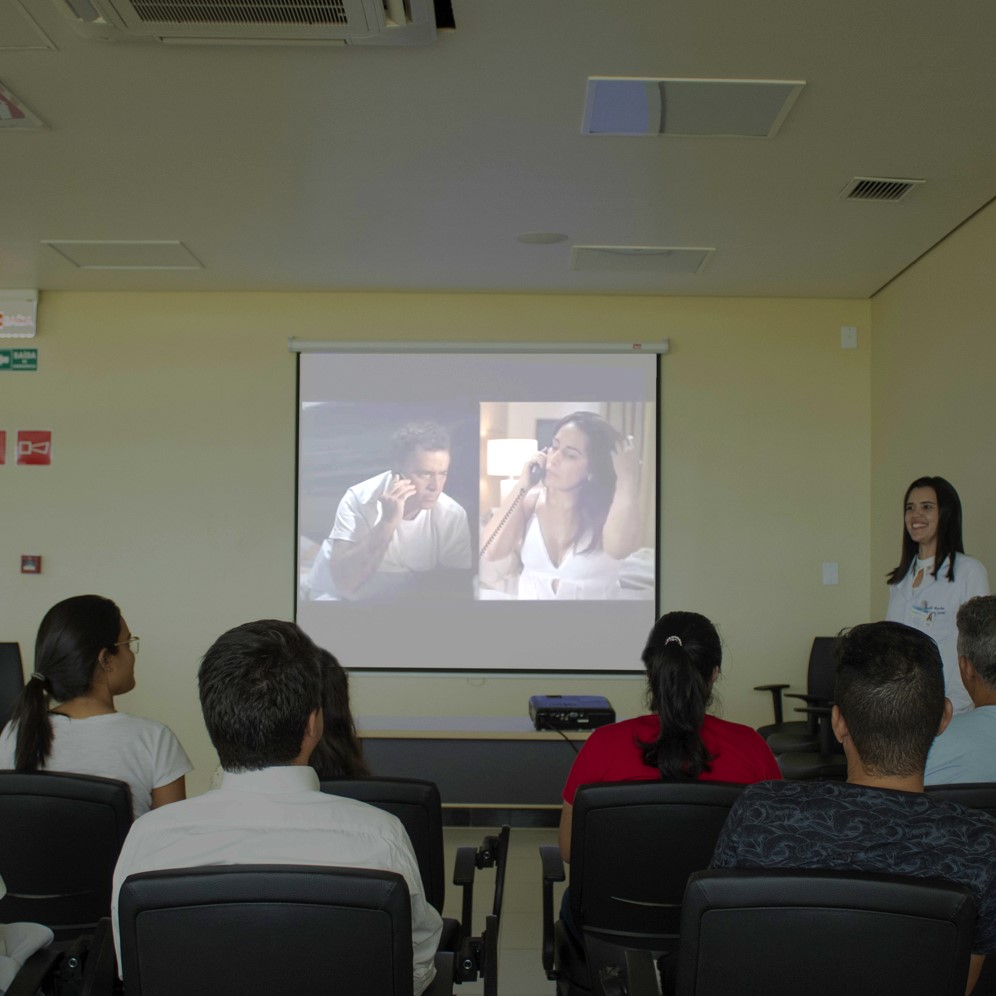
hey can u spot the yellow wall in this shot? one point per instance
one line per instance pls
(934, 392)
(172, 488)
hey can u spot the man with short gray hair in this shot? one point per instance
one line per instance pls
(966, 750)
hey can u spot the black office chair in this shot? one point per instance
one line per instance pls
(11, 679)
(262, 929)
(801, 735)
(60, 836)
(779, 932)
(974, 795)
(86, 967)
(418, 806)
(982, 796)
(633, 846)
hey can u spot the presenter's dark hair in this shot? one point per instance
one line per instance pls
(949, 543)
(890, 691)
(977, 635)
(70, 640)
(339, 753)
(597, 492)
(258, 684)
(414, 436)
(681, 655)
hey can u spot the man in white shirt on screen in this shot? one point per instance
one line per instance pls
(261, 695)
(392, 530)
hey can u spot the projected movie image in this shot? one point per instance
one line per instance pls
(392, 505)
(415, 550)
(565, 516)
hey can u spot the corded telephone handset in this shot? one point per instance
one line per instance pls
(536, 474)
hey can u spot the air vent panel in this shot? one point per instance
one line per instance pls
(879, 188)
(668, 260)
(240, 12)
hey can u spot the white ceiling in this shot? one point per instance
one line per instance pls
(312, 168)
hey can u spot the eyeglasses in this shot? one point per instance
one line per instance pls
(133, 643)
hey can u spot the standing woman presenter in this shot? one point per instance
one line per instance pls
(934, 576)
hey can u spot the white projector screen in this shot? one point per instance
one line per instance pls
(408, 462)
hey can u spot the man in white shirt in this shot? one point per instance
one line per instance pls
(966, 750)
(261, 695)
(391, 530)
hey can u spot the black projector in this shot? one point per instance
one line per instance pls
(570, 712)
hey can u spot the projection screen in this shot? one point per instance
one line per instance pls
(476, 511)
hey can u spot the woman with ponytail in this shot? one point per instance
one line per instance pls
(65, 719)
(678, 741)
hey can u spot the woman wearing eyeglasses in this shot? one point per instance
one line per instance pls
(65, 719)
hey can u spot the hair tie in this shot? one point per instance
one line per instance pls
(673, 639)
(39, 676)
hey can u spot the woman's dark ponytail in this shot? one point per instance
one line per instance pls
(681, 655)
(70, 640)
(34, 729)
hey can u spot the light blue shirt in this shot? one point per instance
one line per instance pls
(966, 750)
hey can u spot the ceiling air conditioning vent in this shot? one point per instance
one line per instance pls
(878, 188)
(256, 22)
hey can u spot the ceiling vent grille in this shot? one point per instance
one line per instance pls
(256, 22)
(240, 12)
(878, 188)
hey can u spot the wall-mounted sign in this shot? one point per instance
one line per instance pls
(34, 447)
(18, 314)
(18, 359)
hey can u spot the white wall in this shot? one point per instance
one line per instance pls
(934, 403)
(172, 488)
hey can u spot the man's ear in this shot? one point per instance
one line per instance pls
(967, 670)
(838, 725)
(315, 726)
(945, 717)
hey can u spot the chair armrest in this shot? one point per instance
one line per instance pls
(641, 971)
(36, 971)
(464, 868)
(811, 699)
(821, 714)
(553, 871)
(776, 698)
(442, 983)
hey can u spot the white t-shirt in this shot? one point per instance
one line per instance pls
(436, 537)
(142, 752)
(933, 609)
(279, 816)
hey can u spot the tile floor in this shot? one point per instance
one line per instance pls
(520, 971)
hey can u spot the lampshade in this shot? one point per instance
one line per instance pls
(506, 457)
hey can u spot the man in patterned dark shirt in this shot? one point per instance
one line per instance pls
(890, 706)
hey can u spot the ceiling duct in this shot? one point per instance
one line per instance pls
(256, 22)
(878, 188)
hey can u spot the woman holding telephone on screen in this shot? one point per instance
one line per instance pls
(573, 516)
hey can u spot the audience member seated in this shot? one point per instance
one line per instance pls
(261, 695)
(339, 753)
(18, 942)
(966, 750)
(890, 704)
(678, 741)
(65, 719)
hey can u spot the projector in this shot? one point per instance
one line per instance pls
(570, 712)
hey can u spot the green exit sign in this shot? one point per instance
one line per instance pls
(18, 359)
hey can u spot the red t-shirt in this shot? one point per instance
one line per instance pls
(612, 754)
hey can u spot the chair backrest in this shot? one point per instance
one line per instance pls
(60, 836)
(418, 805)
(633, 846)
(779, 931)
(11, 679)
(974, 795)
(264, 929)
(821, 675)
